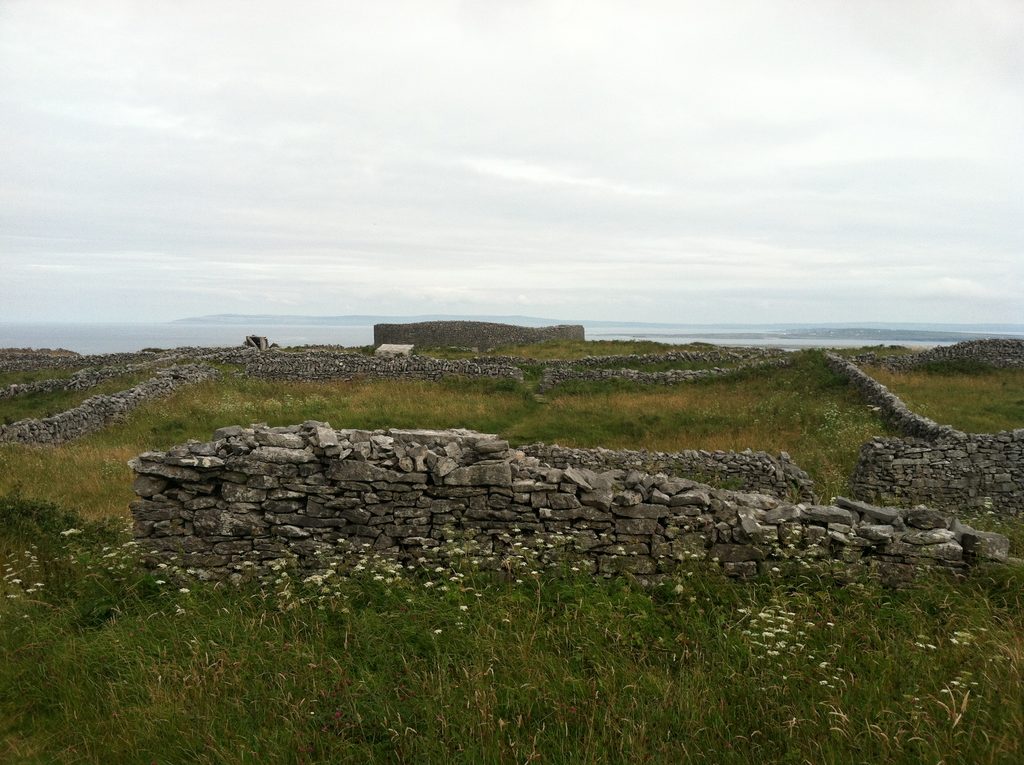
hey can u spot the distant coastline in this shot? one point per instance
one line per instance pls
(357, 330)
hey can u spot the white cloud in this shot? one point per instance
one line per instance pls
(668, 160)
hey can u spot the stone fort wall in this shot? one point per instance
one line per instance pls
(482, 335)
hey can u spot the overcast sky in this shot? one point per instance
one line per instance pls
(681, 161)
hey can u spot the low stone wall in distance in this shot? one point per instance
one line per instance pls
(97, 412)
(482, 335)
(81, 380)
(27, 360)
(1000, 353)
(748, 470)
(557, 375)
(317, 495)
(935, 464)
(331, 365)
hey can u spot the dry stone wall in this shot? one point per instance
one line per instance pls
(557, 375)
(313, 494)
(81, 380)
(329, 365)
(710, 356)
(19, 360)
(97, 412)
(482, 335)
(934, 464)
(749, 470)
(1001, 353)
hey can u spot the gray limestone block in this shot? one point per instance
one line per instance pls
(148, 510)
(495, 474)
(828, 514)
(627, 498)
(282, 440)
(926, 518)
(581, 477)
(928, 537)
(232, 492)
(876, 532)
(324, 437)
(195, 461)
(491, 446)
(636, 525)
(640, 511)
(984, 545)
(282, 455)
(694, 497)
(600, 499)
(177, 473)
(785, 513)
(148, 485)
(228, 432)
(358, 470)
(949, 551)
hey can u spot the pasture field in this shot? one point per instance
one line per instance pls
(973, 397)
(46, 403)
(106, 662)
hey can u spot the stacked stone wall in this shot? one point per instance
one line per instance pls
(17, 360)
(97, 412)
(557, 375)
(1000, 353)
(749, 470)
(314, 494)
(482, 335)
(328, 365)
(934, 464)
(81, 380)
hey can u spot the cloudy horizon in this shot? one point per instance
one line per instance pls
(686, 162)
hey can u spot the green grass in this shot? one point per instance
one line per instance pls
(666, 366)
(804, 409)
(10, 378)
(106, 663)
(567, 349)
(44, 404)
(972, 397)
(879, 350)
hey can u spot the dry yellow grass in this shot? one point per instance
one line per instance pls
(985, 401)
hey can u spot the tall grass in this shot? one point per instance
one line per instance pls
(972, 397)
(804, 410)
(104, 663)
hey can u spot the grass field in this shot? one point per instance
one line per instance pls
(804, 410)
(10, 378)
(104, 662)
(974, 398)
(44, 404)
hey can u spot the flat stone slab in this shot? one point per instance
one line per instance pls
(393, 349)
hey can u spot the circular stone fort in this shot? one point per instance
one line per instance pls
(482, 335)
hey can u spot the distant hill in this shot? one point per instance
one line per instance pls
(869, 332)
